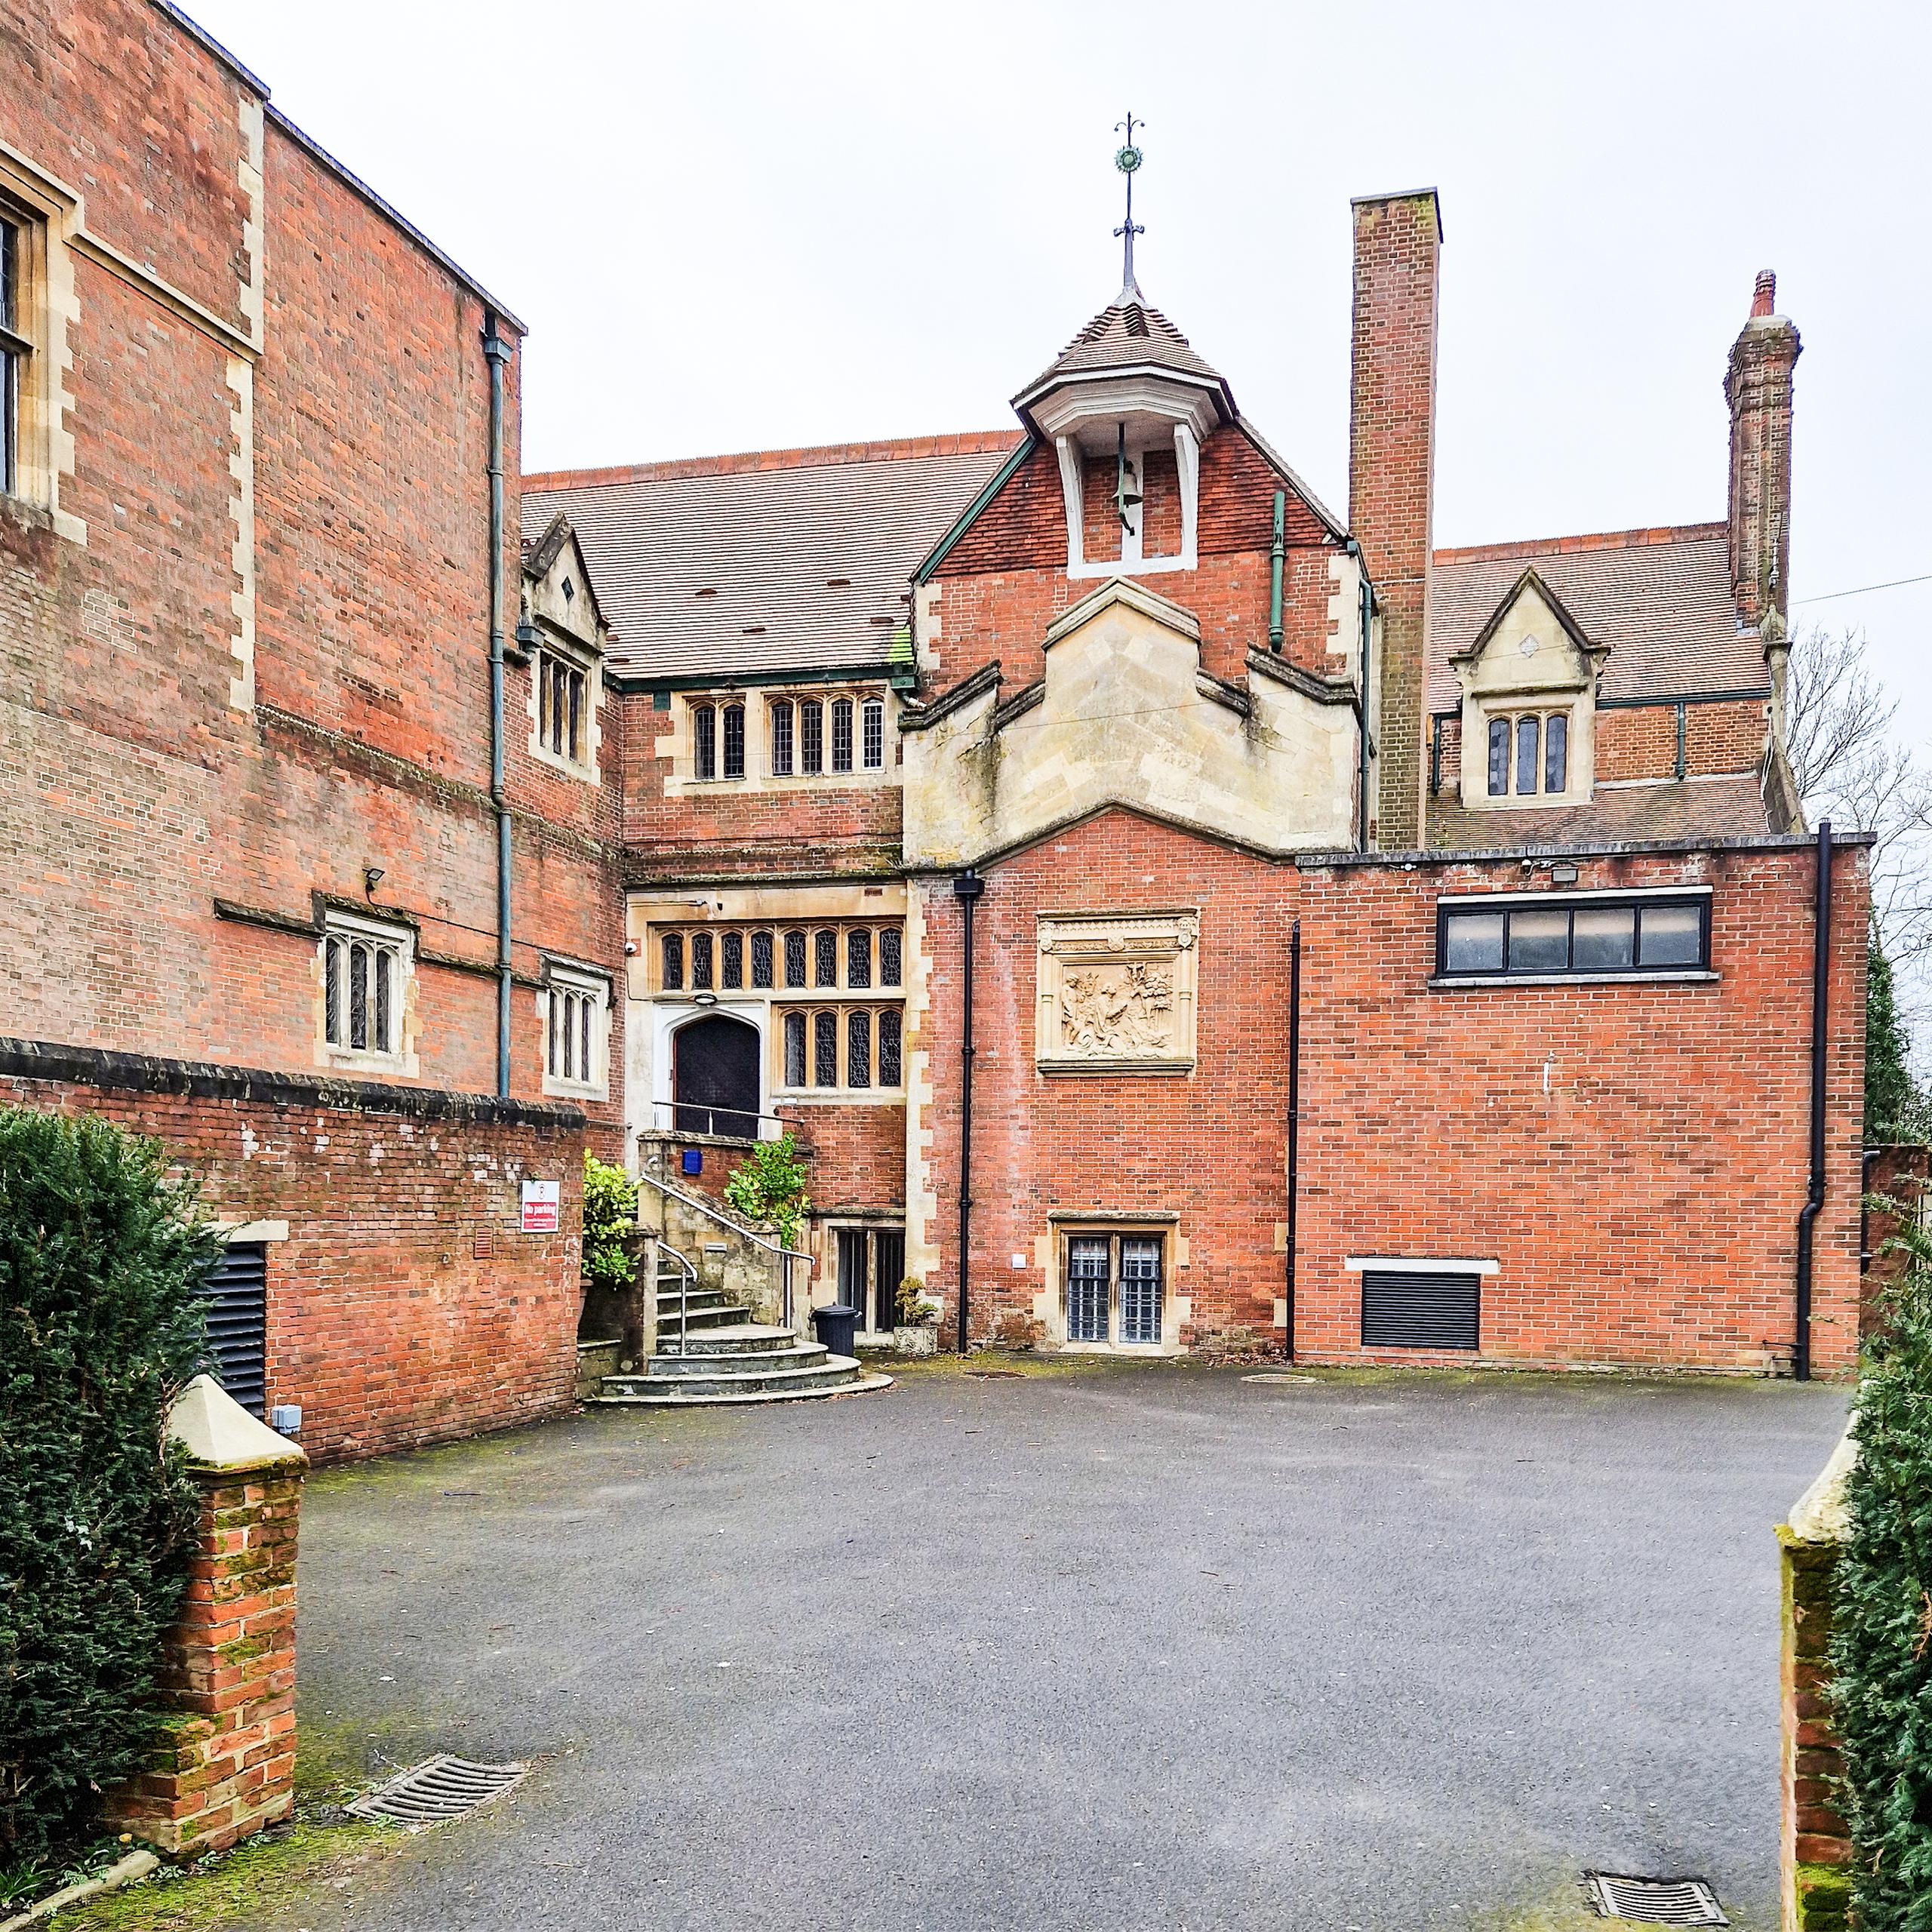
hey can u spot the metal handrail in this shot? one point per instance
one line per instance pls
(687, 1275)
(787, 1255)
(675, 1108)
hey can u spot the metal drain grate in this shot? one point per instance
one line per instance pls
(445, 1787)
(1654, 1901)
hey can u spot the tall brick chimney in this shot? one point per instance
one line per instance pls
(1392, 475)
(1757, 386)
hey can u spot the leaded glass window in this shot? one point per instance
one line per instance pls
(859, 957)
(888, 1048)
(731, 969)
(795, 1049)
(794, 959)
(859, 1047)
(841, 734)
(672, 949)
(760, 959)
(700, 962)
(889, 944)
(825, 958)
(825, 1050)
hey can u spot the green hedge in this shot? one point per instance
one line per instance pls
(100, 1328)
(1881, 1615)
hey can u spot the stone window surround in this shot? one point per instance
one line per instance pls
(398, 938)
(554, 643)
(1052, 1253)
(47, 219)
(679, 748)
(842, 1009)
(839, 926)
(1491, 711)
(563, 976)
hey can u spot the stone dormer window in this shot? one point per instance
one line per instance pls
(1529, 704)
(563, 630)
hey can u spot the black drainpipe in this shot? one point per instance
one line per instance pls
(497, 351)
(1814, 1200)
(967, 887)
(1294, 1128)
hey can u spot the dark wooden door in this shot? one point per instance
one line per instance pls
(714, 1077)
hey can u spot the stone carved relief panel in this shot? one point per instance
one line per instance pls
(1116, 992)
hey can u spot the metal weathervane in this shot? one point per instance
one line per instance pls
(1128, 160)
(1127, 496)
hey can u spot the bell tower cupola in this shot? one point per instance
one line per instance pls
(1127, 406)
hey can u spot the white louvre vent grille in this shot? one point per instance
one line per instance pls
(439, 1788)
(1653, 1901)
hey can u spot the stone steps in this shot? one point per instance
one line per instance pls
(711, 1353)
(748, 1338)
(725, 1378)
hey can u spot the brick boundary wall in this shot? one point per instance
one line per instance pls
(1899, 1171)
(1814, 1840)
(222, 1765)
(405, 1306)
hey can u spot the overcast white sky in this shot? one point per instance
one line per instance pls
(759, 224)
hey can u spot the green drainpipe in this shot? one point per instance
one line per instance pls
(1277, 556)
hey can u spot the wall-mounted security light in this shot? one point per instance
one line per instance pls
(372, 877)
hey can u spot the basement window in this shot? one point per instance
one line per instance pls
(1114, 1285)
(1591, 935)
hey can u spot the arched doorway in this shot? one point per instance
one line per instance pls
(715, 1077)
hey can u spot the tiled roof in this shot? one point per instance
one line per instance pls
(1128, 335)
(1659, 599)
(1730, 807)
(784, 560)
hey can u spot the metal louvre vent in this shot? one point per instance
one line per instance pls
(439, 1788)
(1653, 1901)
(1404, 1310)
(235, 1290)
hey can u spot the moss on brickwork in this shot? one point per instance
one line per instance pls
(1824, 1899)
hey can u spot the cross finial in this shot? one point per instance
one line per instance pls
(1127, 160)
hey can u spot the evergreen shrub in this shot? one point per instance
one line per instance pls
(1881, 1614)
(100, 1328)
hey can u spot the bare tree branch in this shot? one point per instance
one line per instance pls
(1851, 769)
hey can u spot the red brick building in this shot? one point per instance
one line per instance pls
(1371, 951)
(250, 566)
(1309, 940)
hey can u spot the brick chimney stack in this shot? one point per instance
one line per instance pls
(1757, 386)
(1391, 477)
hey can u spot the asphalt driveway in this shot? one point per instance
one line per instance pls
(1113, 1647)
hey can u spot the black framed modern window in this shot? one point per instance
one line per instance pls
(1544, 938)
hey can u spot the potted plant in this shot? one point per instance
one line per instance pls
(917, 1331)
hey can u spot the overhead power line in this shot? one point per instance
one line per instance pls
(1897, 583)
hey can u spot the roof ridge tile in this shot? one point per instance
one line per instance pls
(823, 456)
(1600, 539)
